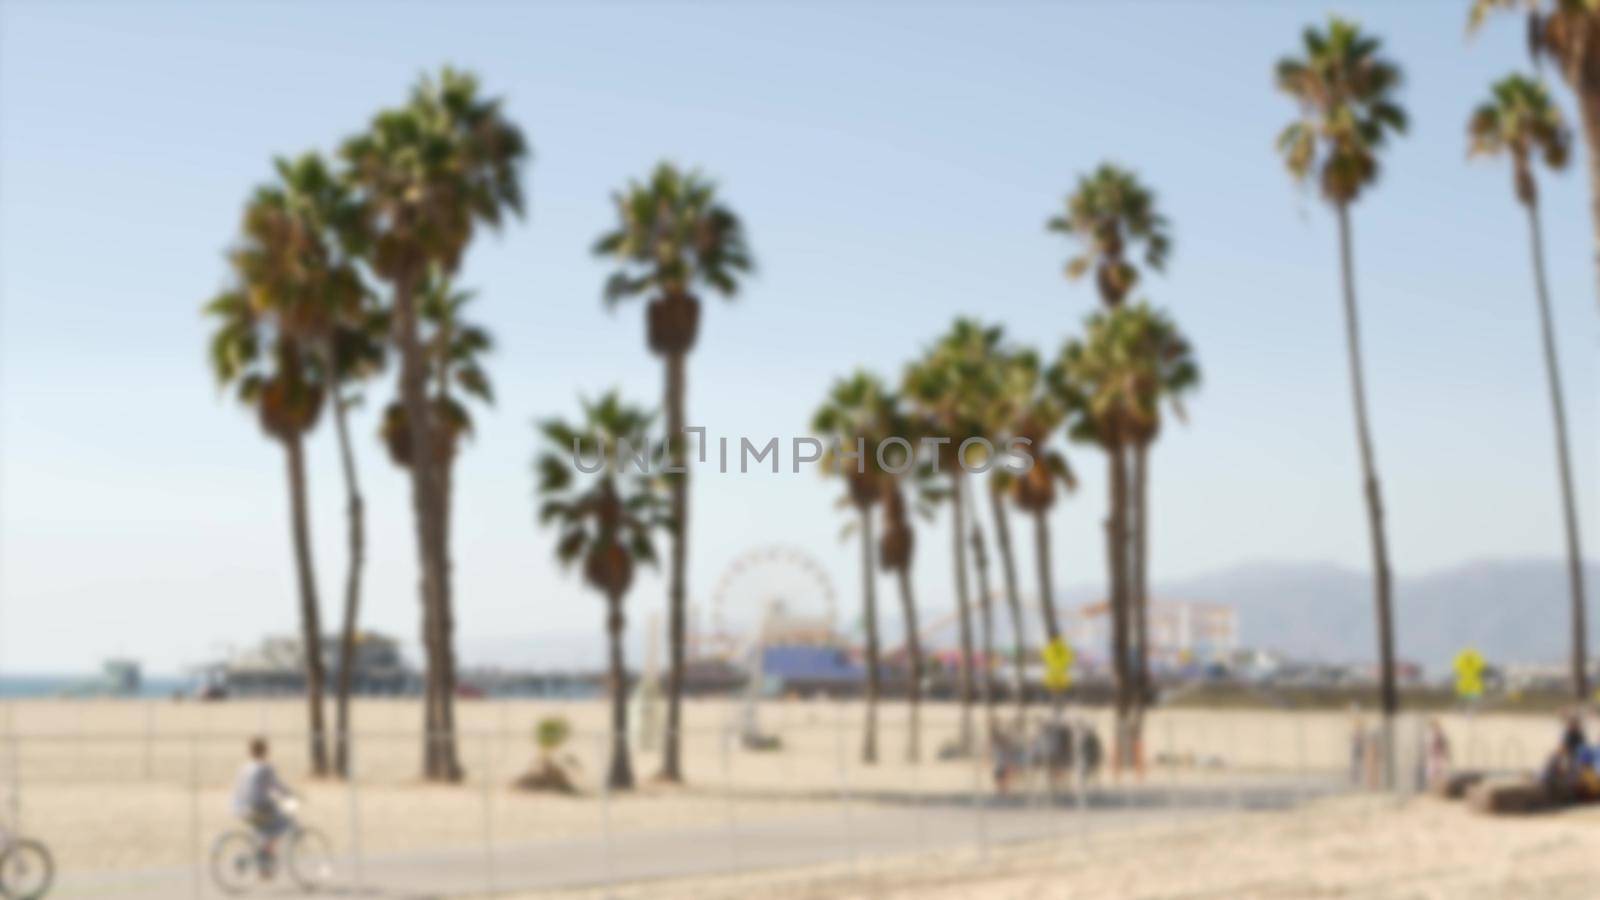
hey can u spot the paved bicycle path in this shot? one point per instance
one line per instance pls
(865, 828)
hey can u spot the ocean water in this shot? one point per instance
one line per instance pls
(17, 686)
(20, 686)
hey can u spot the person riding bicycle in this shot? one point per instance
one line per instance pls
(258, 795)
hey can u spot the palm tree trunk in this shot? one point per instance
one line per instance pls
(352, 587)
(449, 761)
(1008, 569)
(671, 761)
(1047, 603)
(1117, 600)
(430, 693)
(1143, 683)
(869, 609)
(620, 775)
(310, 623)
(1589, 113)
(1041, 552)
(444, 623)
(963, 611)
(908, 608)
(424, 493)
(986, 684)
(1369, 467)
(1580, 667)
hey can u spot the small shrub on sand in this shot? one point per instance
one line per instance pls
(552, 770)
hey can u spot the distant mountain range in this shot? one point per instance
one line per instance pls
(1511, 610)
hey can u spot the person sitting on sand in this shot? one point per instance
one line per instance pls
(1563, 771)
(258, 794)
(1572, 739)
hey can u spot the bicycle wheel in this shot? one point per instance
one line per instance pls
(26, 870)
(235, 861)
(310, 858)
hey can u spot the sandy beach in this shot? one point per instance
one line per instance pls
(130, 788)
(1378, 848)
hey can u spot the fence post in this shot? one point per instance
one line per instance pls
(1302, 761)
(842, 758)
(194, 817)
(1475, 757)
(727, 793)
(1080, 731)
(978, 806)
(1170, 754)
(1039, 770)
(1235, 768)
(14, 741)
(605, 814)
(919, 827)
(149, 737)
(353, 789)
(488, 812)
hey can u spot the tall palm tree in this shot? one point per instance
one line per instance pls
(1166, 371)
(1099, 372)
(1521, 122)
(856, 417)
(951, 389)
(1110, 214)
(1346, 93)
(986, 684)
(452, 351)
(356, 355)
(297, 257)
(452, 348)
(606, 521)
(270, 370)
(429, 173)
(999, 424)
(1567, 32)
(1012, 592)
(896, 549)
(673, 235)
(302, 239)
(1031, 411)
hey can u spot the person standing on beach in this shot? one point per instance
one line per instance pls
(1437, 757)
(1358, 746)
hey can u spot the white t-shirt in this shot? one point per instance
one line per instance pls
(257, 788)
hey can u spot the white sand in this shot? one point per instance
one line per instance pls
(132, 785)
(1418, 849)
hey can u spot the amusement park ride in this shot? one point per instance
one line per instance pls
(768, 597)
(774, 628)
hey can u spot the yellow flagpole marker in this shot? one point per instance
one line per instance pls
(1058, 657)
(1469, 666)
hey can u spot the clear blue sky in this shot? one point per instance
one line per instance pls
(895, 166)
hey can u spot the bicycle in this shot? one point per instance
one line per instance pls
(239, 858)
(26, 868)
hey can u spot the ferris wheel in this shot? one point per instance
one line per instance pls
(771, 589)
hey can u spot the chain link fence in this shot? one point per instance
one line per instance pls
(130, 796)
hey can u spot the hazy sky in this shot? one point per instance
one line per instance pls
(894, 165)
